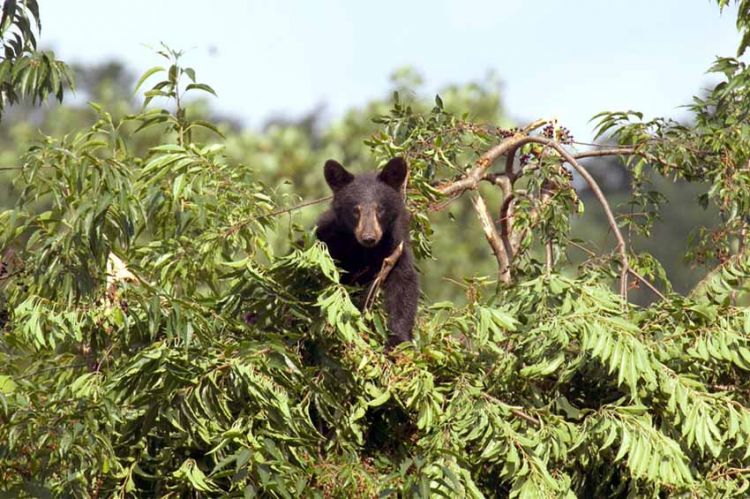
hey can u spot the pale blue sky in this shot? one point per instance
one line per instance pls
(564, 59)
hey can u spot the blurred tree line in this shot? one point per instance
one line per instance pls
(287, 154)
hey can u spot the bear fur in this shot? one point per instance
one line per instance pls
(365, 223)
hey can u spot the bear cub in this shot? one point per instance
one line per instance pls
(367, 220)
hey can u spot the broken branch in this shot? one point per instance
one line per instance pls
(388, 263)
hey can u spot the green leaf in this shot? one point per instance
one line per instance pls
(200, 86)
(7, 385)
(145, 76)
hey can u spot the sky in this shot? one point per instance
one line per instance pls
(557, 59)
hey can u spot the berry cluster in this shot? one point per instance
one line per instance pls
(563, 134)
(507, 132)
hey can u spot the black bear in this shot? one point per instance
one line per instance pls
(366, 222)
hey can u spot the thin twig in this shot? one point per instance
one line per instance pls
(623, 151)
(514, 410)
(590, 144)
(648, 284)
(594, 186)
(388, 263)
(443, 203)
(535, 124)
(4, 277)
(236, 227)
(548, 256)
(520, 414)
(616, 151)
(632, 272)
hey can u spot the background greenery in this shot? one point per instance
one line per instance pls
(287, 155)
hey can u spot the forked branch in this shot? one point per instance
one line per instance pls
(508, 148)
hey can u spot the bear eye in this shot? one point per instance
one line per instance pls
(357, 211)
(380, 211)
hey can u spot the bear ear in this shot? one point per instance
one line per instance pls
(394, 173)
(336, 175)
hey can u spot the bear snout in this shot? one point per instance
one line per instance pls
(368, 231)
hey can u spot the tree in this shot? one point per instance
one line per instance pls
(159, 343)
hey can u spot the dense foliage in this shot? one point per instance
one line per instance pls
(172, 329)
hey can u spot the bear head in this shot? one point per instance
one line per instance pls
(368, 204)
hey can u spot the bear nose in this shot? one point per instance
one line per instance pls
(369, 240)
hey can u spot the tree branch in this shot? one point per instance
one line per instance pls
(616, 151)
(624, 151)
(236, 227)
(388, 263)
(534, 125)
(635, 274)
(505, 182)
(506, 225)
(477, 174)
(594, 186)
(498, 248)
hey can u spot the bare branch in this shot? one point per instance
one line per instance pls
(475, 175)
(506, 225)
(498, 248)
(635, 274)
(520, 414)
(534, 125)
(508, 148)
(594, 186)
(388, 263)
(624, 151)
(616, 151)
(548, 256)
(516, 411)
(647, 284)
(505, 182)
(499, 179)
(509, 159)
(236, 227)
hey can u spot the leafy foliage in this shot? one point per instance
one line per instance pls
(160, 342)
(24, 71)
(743, 22)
